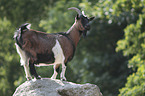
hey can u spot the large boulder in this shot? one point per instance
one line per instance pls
(49, 87)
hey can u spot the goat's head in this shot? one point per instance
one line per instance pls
(82, 21)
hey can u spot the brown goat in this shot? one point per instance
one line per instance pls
(42, 49)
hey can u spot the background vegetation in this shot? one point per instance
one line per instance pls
(111, 56)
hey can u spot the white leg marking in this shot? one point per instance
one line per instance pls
(59, 59)
(26, 68)
(63, 72)
(54, 74)
(24, 61)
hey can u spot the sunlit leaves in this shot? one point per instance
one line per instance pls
(135, 85)
(133, 42)
(133, 45)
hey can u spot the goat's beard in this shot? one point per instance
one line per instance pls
(84, 33)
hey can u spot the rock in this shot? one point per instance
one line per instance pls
(50, 87)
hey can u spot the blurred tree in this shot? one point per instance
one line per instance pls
(8, 59)
(19, 12)
(95, 60)
(133, 45)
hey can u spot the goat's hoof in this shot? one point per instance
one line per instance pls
(38, 77)
(29, 78)
(63, 79)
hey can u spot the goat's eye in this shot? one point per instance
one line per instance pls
(85, 21)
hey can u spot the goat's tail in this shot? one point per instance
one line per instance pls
(18, 33)
(18, 38)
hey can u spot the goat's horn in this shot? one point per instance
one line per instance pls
(77, 10)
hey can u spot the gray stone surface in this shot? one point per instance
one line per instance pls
(49, 87)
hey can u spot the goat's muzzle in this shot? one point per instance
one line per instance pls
(87, 27)
(84, 33)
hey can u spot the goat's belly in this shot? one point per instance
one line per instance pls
(45, 58)
(56, 57)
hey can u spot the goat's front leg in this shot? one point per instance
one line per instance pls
(56, 70)
(62, 76)
(33, 71)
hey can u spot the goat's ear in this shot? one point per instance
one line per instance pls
(77, 17)
(90, 19)
(28, 26)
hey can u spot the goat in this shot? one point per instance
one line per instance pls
(42, 49)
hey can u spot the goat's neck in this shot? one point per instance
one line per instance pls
(74, 33)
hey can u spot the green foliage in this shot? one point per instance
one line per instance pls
(58, 15)
(19, 12)
(134, 38)
(135, 85)
(96, 60)
(133, 46)
(8, 58)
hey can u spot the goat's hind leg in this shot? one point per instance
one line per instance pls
(33, 71)
(25, 64)
(62, 75)
(26, 68)
(24, 61)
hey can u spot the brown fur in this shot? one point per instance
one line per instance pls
(38, 45)
(36, 42)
